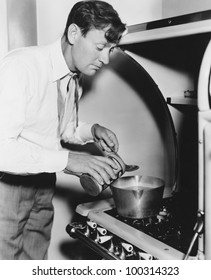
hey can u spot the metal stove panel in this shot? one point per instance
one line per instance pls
(139, 239)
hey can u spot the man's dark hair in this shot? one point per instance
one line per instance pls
(96, 14)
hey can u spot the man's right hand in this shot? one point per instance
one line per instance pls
(100, 167)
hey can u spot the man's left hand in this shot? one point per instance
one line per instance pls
(105, 138)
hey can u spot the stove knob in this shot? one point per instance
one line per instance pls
(122, 254)
(75, 226)
(144, 256)
(105, 238)
(163, 213)
(102, 231)
(91, 224)
(160, 218)
(110, 247)
(86, 231)
(81, 227)
(128, 247)
(116, 250)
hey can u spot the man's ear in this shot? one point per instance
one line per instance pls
(73, 33)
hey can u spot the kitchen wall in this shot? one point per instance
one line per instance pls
(52, 14)
(22, 23)
(18, 24)
(3, 28)
(181, 7)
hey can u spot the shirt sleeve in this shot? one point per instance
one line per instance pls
(82, 135)
(16, 155)
(83, 132)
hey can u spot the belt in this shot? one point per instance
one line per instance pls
(31, 179)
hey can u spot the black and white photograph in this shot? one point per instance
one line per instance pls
(105, 134)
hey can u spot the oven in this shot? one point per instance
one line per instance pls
(165, 66)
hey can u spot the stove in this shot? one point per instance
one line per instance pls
(164, 236)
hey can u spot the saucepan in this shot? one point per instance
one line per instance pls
(138, 196)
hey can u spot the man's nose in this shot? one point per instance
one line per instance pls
(104, 56)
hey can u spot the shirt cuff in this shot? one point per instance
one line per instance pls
(83, 132)
(54, 161)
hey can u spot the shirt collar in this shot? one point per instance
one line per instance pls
(59, 65)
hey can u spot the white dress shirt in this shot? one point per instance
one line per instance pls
(29, 125)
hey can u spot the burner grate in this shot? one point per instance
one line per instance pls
(164, 227)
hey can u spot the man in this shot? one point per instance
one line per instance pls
(39, 90)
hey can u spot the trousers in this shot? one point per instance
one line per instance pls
(26, 215)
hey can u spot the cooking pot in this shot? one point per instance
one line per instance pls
(138, 196)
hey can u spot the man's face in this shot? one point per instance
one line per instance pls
(91, 52)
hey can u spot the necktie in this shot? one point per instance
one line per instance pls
(75, 79)
(68, 104)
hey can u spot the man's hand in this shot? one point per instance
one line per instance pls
(105, 138)
(99, 167)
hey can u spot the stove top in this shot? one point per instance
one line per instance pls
(163, 236)
(162, 227)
